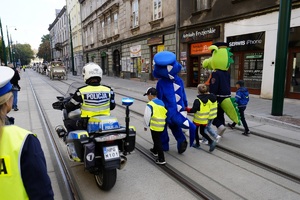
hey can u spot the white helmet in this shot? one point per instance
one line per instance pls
(91, 70)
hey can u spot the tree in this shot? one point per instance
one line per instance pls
(44, 48)
(23, 53)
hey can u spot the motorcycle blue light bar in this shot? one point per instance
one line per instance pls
(126, 101)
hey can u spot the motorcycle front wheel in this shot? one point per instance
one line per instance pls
(106, 179)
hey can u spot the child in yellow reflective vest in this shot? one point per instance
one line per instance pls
(201, 108)
(155, 117)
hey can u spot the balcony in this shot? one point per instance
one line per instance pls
(58, 46)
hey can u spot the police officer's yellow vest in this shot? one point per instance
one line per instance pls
(158, 119)
(11, 144)
(213, 109)
(96, 100)
(201, 116)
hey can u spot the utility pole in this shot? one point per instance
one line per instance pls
(3, 46)
(9, 50)
(71, 44)
(281, 56)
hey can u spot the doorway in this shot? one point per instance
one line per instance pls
(292, 89)
(116, 63)
(197, 73)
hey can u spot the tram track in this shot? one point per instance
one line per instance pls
(69, 189)
(234, 153)
(199, 191)
(195, 188)
(237, 154)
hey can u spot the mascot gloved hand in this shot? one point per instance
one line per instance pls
(170, 89)
(219, 84)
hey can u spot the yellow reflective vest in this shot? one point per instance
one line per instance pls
(201, 116)
(158, 119)
(96, 100)
(11, 144)
(213, 109)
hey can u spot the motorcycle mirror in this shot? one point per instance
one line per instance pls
(126, 101)
(58, 105)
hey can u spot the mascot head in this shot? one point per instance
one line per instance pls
(165, 65)
(221, 57)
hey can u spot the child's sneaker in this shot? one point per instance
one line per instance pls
(160, 162)
(246, 133)
(203, 141)
(218, 138)
(212, 146)
(230, 125)
(153, 153)
(196, 146)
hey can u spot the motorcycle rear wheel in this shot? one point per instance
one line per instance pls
(106, 179)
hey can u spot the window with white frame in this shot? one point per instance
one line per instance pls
(92, 34)
(201, 5)
(108, 26)
(103, 29)
(157, 9)
(86, 37)
(135, 13)
(116, 28)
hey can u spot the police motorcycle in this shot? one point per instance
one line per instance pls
(100, 142)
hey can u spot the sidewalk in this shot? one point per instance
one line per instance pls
(258, 110)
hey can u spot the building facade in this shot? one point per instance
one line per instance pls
(250, 28)
(124, 35)
(73, 12)
(59, 38)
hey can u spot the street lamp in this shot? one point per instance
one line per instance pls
(3, 45)
(9, 43)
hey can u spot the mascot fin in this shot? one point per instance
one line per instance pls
(186, 123)
(184, 114)
(176, 86)
(177, 97)
(169, 67)
(179, 107)
(171, 77)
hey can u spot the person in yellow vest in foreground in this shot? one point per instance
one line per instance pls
(23, 172)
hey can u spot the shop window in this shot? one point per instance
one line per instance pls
(253, 67)
(201, 5)
(135, 13)
(157, 9)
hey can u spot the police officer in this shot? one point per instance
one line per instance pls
(94, 98)
(23, 172)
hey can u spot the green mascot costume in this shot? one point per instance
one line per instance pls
(219, 84)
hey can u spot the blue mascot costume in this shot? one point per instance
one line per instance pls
(170, 89)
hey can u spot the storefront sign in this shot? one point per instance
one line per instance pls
(160, 48)
(200, 34)
(136, 51)
(155, 40)
(200, 48)
(254, 41)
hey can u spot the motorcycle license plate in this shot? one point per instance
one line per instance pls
(111, 152)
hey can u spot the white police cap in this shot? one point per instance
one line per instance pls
(6, 75)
